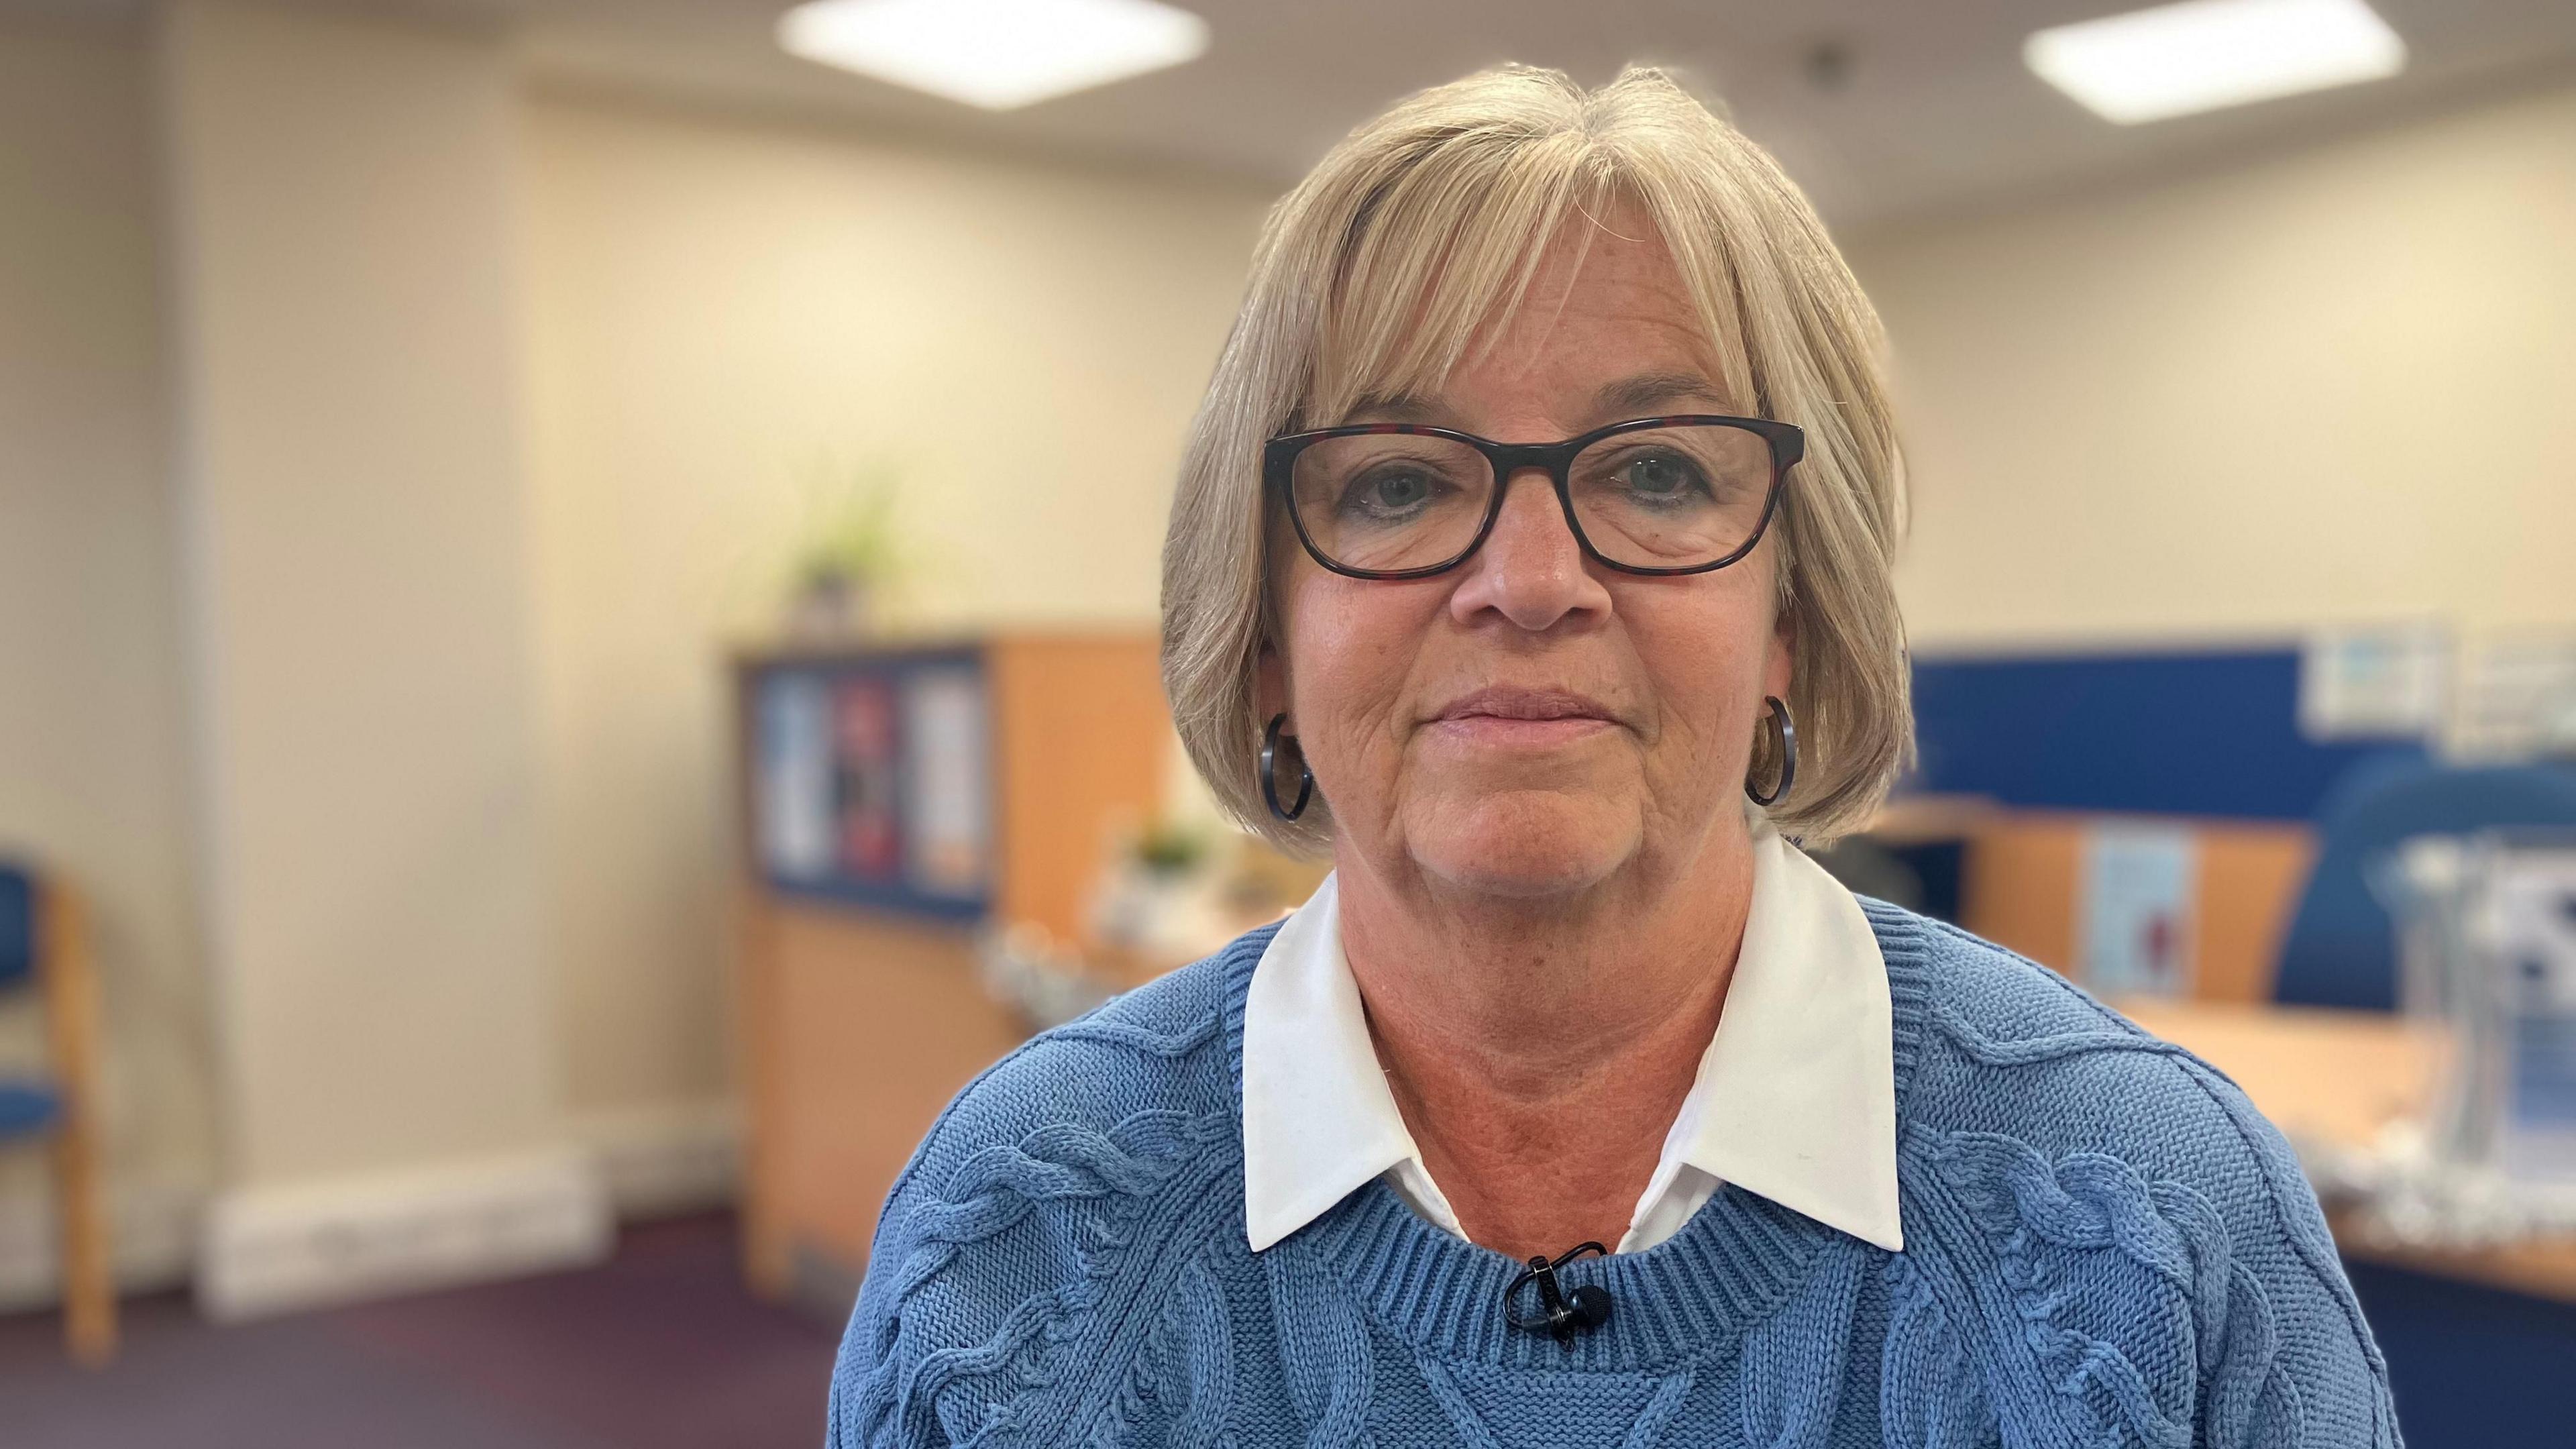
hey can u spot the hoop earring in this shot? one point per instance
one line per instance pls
(1270, 780)
(1784, 743)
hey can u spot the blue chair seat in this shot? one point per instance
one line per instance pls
(26, 1108)
(2341, 947)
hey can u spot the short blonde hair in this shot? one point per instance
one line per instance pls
(1418, 234)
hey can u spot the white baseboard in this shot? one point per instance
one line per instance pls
(662, 1161)
(268, 1250)
(337, 1241)
(152, 1233)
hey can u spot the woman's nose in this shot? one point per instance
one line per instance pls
(1531, 570)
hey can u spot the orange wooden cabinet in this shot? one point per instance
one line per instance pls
(860, 1020)
(2022, 888)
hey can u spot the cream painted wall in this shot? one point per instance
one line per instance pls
(345, 278)
(720, 310)
(2327, 387)
(91, 752)
(516, 583)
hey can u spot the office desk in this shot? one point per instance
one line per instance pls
(2337, 1079)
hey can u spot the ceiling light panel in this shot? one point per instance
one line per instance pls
(2201, 55)
(997, 54)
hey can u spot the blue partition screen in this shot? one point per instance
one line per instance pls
(2166, 733)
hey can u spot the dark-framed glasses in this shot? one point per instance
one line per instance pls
(1668, 495)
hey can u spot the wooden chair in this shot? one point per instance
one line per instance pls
(42, 944)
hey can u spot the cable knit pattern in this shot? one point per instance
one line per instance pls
(1932, 1394)
(1186, 1373)
(2088, 1242)
(2105, 1247)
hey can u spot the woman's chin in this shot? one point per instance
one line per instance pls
(1525, 843)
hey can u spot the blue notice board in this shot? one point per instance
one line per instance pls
(2176, 732)
(872, 779)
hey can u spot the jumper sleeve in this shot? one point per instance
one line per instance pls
(984, 1310)
(2298, 1364)
(919, 1322)
(867, 1378)
(2150, 1264)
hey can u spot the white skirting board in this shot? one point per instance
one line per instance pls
(663, 1160)
(269, 1250)
(382, 1234)
(152, 1237)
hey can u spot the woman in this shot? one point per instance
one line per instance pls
(1531, 558)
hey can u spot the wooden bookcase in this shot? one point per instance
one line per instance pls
(861, 1011)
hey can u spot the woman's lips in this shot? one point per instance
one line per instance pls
(1512, 717)
(1499, 732)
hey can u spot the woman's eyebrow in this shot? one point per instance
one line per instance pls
(1394, 407)
(1637, 396)
(1649, 391)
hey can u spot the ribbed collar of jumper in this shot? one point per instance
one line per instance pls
(1794, 1100)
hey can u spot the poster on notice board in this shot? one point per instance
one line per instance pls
(2136, 909)
(872, 781)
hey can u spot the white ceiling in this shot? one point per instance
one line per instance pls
(1932, 111)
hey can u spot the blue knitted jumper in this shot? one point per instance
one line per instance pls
(2105, 1246)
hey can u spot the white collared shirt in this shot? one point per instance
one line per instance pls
(1795, 1099)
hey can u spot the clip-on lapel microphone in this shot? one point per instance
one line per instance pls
(1560, 1313)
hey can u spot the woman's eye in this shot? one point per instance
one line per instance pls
(1660, 476)
(1392, 491)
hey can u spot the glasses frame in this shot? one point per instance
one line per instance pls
(1788, 444)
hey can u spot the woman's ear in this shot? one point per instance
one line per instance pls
(1269, 683)
(1780, 656)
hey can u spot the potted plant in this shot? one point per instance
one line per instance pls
(851, 552)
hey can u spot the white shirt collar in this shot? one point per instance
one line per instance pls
(1795, 1099)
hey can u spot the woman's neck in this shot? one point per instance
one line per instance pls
(1540, 1049)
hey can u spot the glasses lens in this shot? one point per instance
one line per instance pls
(1670, 498)
(1387, 502)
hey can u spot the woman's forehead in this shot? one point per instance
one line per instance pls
(1600, 327)
(1560, 401)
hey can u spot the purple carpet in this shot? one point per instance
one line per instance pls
(660, 1348)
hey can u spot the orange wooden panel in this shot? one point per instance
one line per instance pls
(2018, 884)
(2023, 888)
(1083, 742)
(2250, 878)
(874, 1024)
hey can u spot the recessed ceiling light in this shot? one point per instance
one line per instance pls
(998, 54)
(2204, 54)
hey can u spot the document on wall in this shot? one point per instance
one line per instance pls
(2517, 696)
(2135, 931)
(2384, 682)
